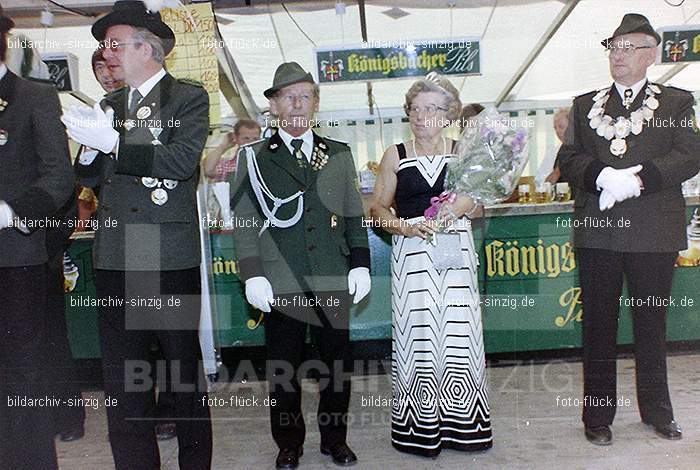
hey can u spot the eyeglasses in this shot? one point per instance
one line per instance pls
(626, 49)
(114, 45)
(429, 110)
(289, 98)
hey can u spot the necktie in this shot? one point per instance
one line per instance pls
(627, 101)
(135, 99)
(296, 145)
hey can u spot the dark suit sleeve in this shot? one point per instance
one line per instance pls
(244, 207)
(179, 159)
(56, 182)
(578, 167)
(683, 162)
(355, 232)
(89, 175)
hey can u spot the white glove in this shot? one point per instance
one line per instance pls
(359, 283)
(258, 293)
(91, 128)
(622, 184)
(6, 214)
(606, 201)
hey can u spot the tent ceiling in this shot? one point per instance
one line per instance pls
(572, 62)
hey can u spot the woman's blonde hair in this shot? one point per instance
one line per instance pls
(434, 82)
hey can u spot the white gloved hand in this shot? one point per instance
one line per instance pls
(359, 283)
(6, 214)
(92, 128)
(606, 201)
(258, 293)
(622, 184)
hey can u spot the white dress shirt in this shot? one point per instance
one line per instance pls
(636, 88)
(307, 147)
(147, 86)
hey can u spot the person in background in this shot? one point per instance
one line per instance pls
(561, 123)
(636, 178)
(216, 166)
(36, 181)
(433, 338)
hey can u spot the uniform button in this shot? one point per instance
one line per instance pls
(308, 209)
(134, 209)
(311, 247)
(105, 207)
(108, 181)
(302, 188)
(310, 229)
(136, 181)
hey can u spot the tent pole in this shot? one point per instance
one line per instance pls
(558, 21)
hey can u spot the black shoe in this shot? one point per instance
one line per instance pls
(72, 434)
(341, 453)
(288, 457)
(670, 430)
(599, 435)
(166, 431)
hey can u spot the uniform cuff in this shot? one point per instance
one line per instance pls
(135, 160)
(359, 258)
(590, 175)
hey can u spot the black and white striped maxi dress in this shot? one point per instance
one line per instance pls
(438, 367)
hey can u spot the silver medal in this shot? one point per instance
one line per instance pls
(129, 124)
(622, 127)
(595, 122)
(143, 112)
(3, 137)
(149, 182)
(618, 147)
(595, 111)
(609, 132)
(159, 196)
(169, 184)
(652, 103)
(637, 126)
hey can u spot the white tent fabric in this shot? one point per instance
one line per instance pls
(572, 62)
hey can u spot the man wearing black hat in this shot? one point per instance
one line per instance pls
(302, 255)
(629, 147)
(35, 181)
(150, 135)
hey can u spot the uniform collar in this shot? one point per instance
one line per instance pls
(635, 88)
(307, 147)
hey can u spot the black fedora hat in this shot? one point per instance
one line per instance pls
(288, 73)
(633, 23)
(6, 23)
(134, 13)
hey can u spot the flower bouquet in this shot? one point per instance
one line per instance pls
(491, 155)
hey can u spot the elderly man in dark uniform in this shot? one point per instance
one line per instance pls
(35, 181)
(302, 252)
(629, 147)
(150, 136)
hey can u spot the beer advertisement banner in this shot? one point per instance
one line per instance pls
(680, 44)
(378, 60)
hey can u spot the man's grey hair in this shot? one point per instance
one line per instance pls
(144, 36)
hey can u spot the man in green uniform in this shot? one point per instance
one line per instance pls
(302, 251)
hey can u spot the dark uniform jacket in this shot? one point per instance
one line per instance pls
(669, 150)
(316, 253)
(36, 177)
(160, 146)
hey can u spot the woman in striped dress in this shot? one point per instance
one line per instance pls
(438, 367)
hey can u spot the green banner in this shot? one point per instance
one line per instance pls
(386, 59)
(680, 44)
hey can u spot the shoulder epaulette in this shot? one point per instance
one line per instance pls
(337, 140)
(190, 81)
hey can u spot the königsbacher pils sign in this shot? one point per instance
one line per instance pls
(378, 60)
